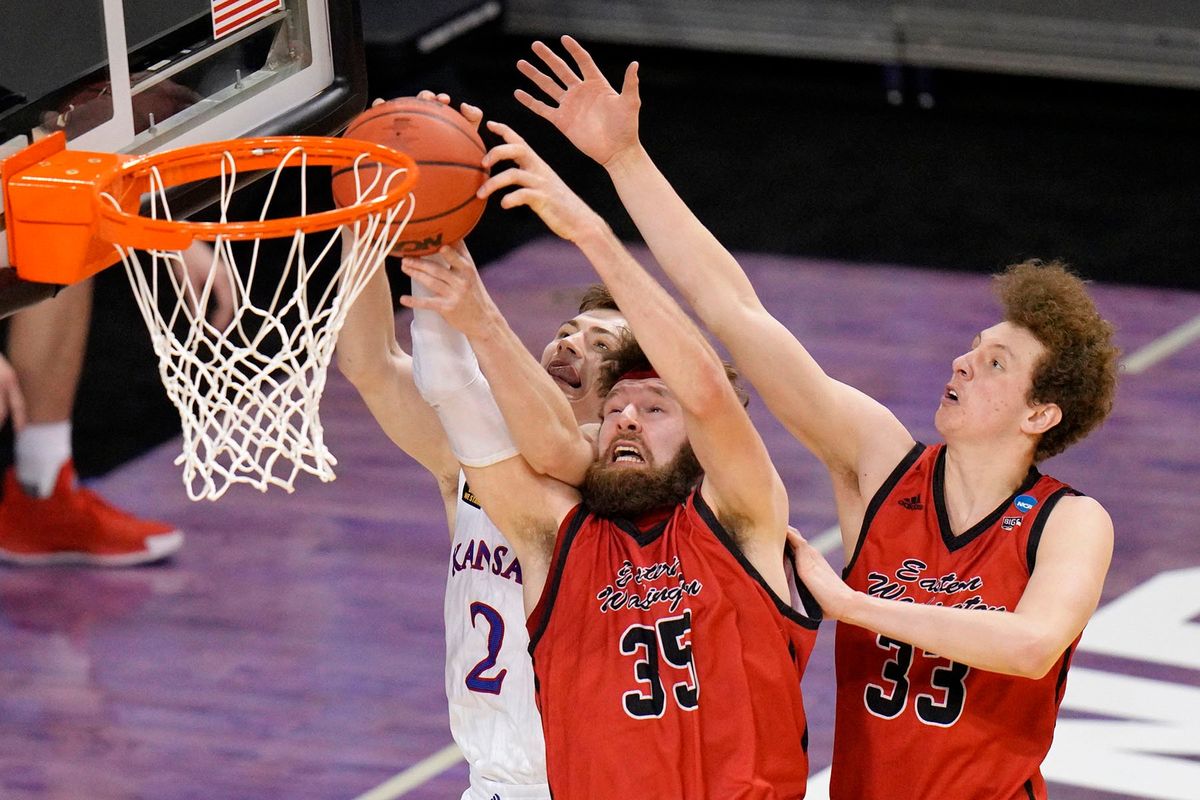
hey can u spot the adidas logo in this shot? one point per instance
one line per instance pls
(912, 503)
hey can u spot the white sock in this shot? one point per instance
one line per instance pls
(39, 451)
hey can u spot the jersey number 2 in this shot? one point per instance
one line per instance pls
(668, 637)
(889, 702)
(476, 681)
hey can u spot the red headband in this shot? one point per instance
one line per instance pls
(638, 375)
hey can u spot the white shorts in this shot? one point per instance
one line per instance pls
(483, 789)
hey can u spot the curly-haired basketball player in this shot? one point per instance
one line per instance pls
(953, 690)
(665, 642)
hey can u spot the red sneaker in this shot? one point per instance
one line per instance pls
(76, 526)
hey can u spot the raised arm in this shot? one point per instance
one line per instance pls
(539, 417)
(526, 506)
(373, 361)
(851, 433)
(740, 480)
(1063, 591)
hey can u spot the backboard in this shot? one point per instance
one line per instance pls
(139, 76)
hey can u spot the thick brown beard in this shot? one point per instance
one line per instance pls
(628, 493)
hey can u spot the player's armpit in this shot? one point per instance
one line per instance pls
(527, 508)
(744, 490)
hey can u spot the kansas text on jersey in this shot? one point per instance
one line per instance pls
(489, 677)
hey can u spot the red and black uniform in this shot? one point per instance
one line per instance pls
(666, 667)
(911, 724)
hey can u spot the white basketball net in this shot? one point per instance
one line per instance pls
(248, 393)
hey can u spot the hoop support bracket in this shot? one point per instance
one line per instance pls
(50, 211)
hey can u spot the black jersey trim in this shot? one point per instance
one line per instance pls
(718, 530)
(468, 497)
(550, 590)
(878, 499)
(951, 541)
(1029, 790)
(806, 597)
(642, 537)
(1062, 674)
(1039, 524)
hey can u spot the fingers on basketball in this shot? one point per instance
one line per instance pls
(449, 157)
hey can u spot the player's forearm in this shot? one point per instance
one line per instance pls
(997, 641)
(538, 415)
(710, 279)
(789, 380)
(679, 352)
(366, 347)
(372, 360)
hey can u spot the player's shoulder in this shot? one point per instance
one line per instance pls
(1077, 510)
(1077, 523)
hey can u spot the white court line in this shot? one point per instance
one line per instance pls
(826, 542)
(1162, 347)
(416, 775)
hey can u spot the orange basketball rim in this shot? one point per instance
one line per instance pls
(66, 209)
(248, 391)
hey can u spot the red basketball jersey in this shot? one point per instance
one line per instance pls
(911, 724)
(665, 666)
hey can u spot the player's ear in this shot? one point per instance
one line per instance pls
(1041, 418)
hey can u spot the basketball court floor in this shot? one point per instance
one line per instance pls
(294, 646)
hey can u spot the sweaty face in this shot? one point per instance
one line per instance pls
(645, 461)
(574, 357)
(987, 395)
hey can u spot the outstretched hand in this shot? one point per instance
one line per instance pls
(453, 281)
(583, 104)
(473, 114)
(831, 593)
(536, 186)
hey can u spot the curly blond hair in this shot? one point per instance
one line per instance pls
(1079, 369)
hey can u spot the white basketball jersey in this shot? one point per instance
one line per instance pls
(489, 674)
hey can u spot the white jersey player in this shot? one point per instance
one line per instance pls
(489, 675)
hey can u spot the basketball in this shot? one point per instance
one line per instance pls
(449, 155)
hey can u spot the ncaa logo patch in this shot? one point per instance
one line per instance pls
(1025, 502)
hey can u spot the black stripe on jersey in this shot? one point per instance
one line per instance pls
(642, 537)
(718, 530)
(550, 590)
(953, 542)
(1029, 790)
(1062, 674)
(1035, 530)
(806, 597)
(469, 497)
(873, 507)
